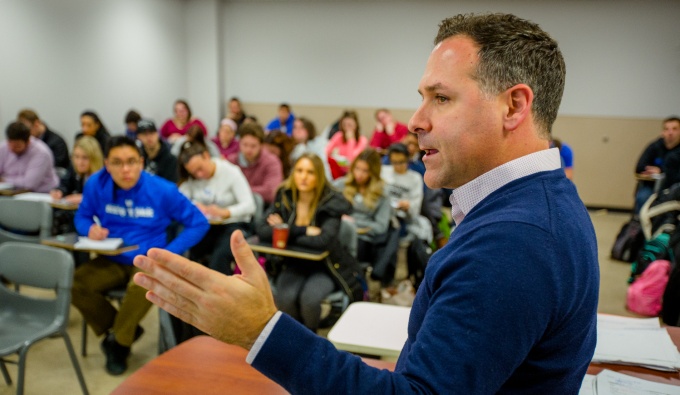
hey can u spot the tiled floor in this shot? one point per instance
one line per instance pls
(49, 370)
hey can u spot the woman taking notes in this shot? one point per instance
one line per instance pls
(219, 189)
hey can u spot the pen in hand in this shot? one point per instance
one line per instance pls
(97, 232)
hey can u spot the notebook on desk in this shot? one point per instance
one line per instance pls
(85, 243)
(635, 341)
(35, 197)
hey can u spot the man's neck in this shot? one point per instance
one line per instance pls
(152, 152)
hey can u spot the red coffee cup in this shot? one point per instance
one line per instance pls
(280, 236)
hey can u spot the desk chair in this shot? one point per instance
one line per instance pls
(24, 220)
(336, 303)
(26, 320)
(117, 295)
(259, 209)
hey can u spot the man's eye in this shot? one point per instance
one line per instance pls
(441, 99)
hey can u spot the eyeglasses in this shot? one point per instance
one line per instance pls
(120, 163)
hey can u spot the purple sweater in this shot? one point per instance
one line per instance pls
(32, 170)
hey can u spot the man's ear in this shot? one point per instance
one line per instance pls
(518, 101)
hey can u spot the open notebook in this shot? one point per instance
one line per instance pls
(85, 243)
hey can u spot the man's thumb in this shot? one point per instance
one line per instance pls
(243, 254)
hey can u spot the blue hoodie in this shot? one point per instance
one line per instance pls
(140, 215)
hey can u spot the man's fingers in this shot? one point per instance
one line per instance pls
(163, 304)
(169, 287)
(244, 255)
(194, 273)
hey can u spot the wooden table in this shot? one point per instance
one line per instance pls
(657, 179)
(203, 365)
(372, 329)
(12, 191)
(67, 241)
(290, 251)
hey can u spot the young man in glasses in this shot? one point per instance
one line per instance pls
(122, 200)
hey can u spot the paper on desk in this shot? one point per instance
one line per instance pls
(588, 385)
(613, 383)
(85, 243)
(651, 348)
(6, 185)
(617, 322)
(34, 196)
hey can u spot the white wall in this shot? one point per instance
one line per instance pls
(623, 57)
(62, 57)
(204, 61)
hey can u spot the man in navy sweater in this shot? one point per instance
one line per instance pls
(509, 304)
(124, 201)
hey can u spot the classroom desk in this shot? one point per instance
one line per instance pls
(203, 365)
(68, 240)
(372, 329)
(45, 197)
(657, 179)
(12, 191)
(290, 251)
(672, 378)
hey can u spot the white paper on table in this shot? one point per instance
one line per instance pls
(35, 197)
(617, 322)
(588, 385)
(652, 348)
(6, 185)
(85, 243)
(613, 383)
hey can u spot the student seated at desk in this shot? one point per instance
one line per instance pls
(220, 190)
(364, 189)
(25, 161)
(87, 160)
(124, 201)
(312, 210)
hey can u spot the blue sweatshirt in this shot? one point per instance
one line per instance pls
(140, 215)
(507, 306)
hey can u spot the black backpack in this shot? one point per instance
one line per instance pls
(417, 256)
(628, 242)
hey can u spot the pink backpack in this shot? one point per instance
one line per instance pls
(645, 294)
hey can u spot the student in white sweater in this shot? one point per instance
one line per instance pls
(404, 189)
(220, 190)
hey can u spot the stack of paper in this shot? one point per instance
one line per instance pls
(613, 383)
(633, 341)
(85, 243)
(34, 196)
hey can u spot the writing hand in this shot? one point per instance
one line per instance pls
(233, 309)
(97, 232)
(651, 170)
(75, 198)
(403, 205)
(56, 194)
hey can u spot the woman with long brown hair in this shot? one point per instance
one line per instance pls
(312, 210)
